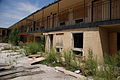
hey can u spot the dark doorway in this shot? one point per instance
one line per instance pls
(51, 40)
(118, 41)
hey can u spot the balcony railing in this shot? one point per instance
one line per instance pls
(92, 13)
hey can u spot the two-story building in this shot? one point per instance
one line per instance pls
(78, 25)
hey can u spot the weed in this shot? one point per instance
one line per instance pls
(33, 48)
(91, 64)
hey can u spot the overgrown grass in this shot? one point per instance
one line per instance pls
(70, 62)
(53, 56)
(67, 60)
(33, 48)
(91, 64)
(109, 70)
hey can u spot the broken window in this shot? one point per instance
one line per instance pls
(59, 49)
(78, 40)
(77, 21)
(80, 53)
(62, 23)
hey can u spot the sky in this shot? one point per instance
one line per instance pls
(12, 11)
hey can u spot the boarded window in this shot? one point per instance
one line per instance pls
(63, 16)
(59, 40)
(79, 12)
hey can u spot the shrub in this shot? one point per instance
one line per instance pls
(109, 70)
(68, 56)
(53, 56)
(33, 48)
(111, 67)
(70, 61)
(117, 59)
(91, 64)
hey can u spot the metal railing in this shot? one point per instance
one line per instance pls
(94, 12)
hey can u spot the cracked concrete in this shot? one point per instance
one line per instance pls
(26, 71)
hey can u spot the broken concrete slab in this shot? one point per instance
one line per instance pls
(20, 69)
(36, 60)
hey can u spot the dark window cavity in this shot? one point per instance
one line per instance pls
(78, 40)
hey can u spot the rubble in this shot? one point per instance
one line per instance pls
(18, 67)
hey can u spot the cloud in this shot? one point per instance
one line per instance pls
(11, 11)
(9, 15)
(14, 11)
(19, 10)
(27, 7)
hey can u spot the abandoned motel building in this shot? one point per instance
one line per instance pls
(78, 25)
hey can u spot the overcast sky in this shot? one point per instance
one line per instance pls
(11, 11)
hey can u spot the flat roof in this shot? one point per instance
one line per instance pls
(3, 28)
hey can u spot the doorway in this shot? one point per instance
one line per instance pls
(50, 42)
(118, 41)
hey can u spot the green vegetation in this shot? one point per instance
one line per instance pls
(70, 62)
(14, 38)
(33, 48)
(53, 56)
(67, 60)
(91, 64)
(109, 70)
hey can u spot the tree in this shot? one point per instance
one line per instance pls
(14, 38)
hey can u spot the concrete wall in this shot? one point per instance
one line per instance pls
(91, 40)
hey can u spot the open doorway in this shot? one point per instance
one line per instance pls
(51, 40)
(118, 41)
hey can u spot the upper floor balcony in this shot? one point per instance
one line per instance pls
(96, 12)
